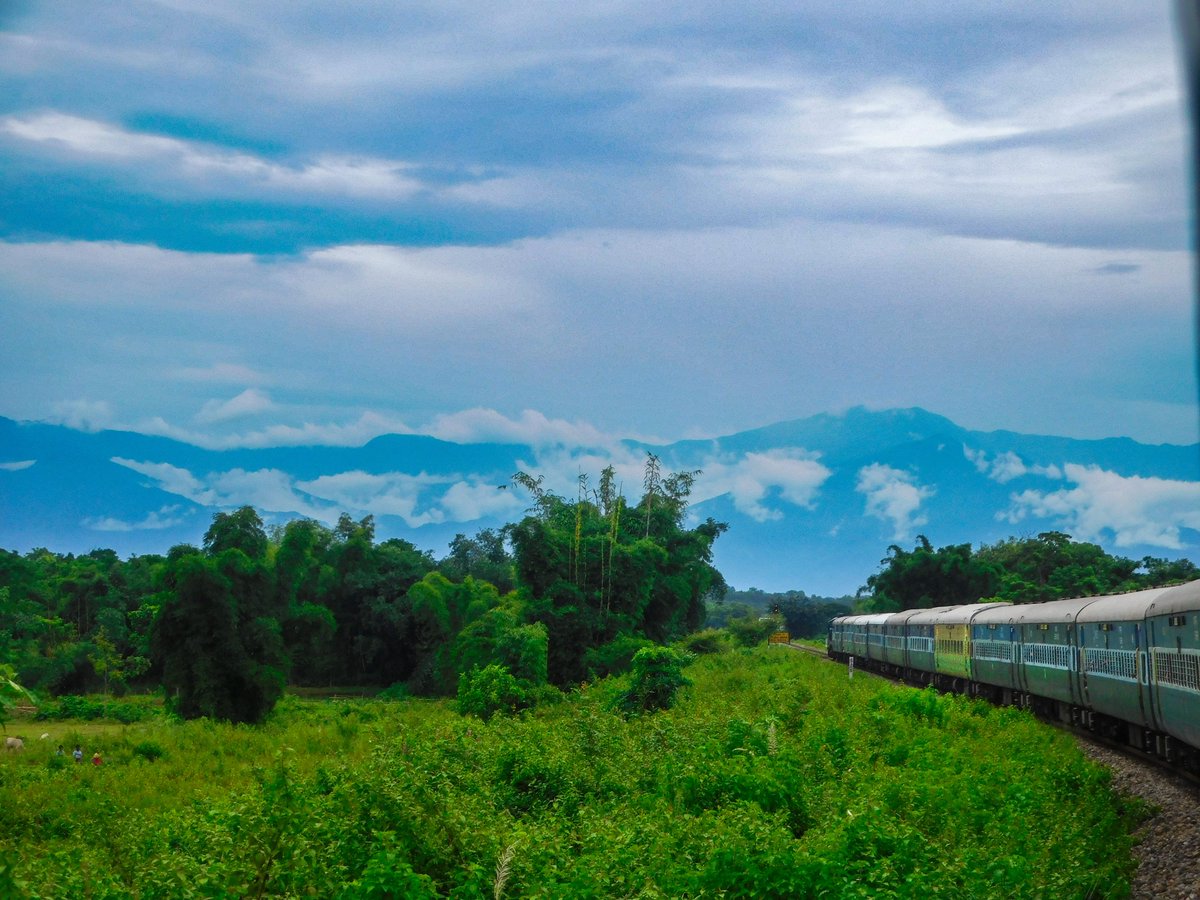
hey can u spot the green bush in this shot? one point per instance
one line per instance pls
(657, 673)
(615, 657)
(490, 690)
(701, 643)
(149, 750)
(397, 691)
(89, 709)
(389, 876)
(751, 631)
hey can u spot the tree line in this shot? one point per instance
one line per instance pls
(1050, 566)
(569, 592)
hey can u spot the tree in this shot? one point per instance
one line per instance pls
(595, 569)
(239, 530)
(484, 557)
(923, 578)
(218, 659)
(1052, 565)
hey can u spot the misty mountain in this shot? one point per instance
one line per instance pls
(813, 504)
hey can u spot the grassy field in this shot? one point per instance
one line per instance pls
(773, 776)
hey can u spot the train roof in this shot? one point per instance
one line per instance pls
(963, 615)
(1180, 599)
(848, 620)
(1053, 610)
(928, 616)
(1130, 607)
(997, 613)
(875, 618)
(901, 618)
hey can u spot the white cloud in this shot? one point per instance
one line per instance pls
(1006, 466)
(467, 501)
(153, 521)
(17, 466)
(1134, 510)
(795, 473)
(531, 428)
(420, 499)
(352, 176)
(390, 494)
(248, 403)
(307, 434)
(172, 479)
(266, 489)
(82, 415)
(894, 496)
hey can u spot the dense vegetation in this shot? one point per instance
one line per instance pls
(223, 627)
(1026, 570)
(773, 775)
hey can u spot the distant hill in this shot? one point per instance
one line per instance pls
(812, 504)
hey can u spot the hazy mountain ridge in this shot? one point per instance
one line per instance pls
(812, 503)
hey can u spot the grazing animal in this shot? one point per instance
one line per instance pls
(45, 736)
(12, 743)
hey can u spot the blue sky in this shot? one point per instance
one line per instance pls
(259, 223)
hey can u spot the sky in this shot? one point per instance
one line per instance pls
(265, 223)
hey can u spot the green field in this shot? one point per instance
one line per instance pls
(773, 775)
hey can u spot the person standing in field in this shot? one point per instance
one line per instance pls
(96, 760)
(77, 753)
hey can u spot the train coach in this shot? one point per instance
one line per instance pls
(1124, 665)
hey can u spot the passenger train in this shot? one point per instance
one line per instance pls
(1123, 665)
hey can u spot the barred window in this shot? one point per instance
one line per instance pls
(920, 644)
(1000, 651)
(1177, 669)
(1119, 664)
(949, 647)
(895, 642)
(876, 639)
(1050, 656)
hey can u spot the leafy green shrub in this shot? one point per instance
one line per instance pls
(528, 779)
(389, 876)
(751, 631)
(490, 690)
(701, 643)
(615, 657)
(657, 673)
(149, 750)
(397, 691)
(76, 707)
(56, 762)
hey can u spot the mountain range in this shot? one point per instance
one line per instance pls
(813, 504)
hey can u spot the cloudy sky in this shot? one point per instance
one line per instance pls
(255, 223)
